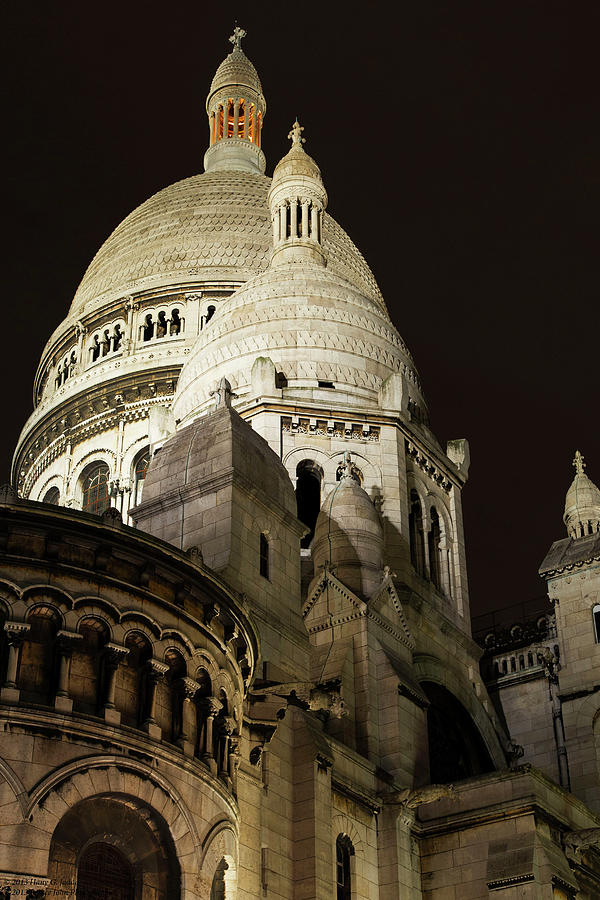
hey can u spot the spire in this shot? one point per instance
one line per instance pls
(297, 200)
(236, 109)
(578, 463)
(582, 503)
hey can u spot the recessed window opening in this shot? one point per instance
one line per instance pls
(417, 542)
(434, 538)
(596, 615)
(264, 556)
(52, 496)
(343, 851)
(96, 498)
(326, 384)
(308, 496)
(103, 871)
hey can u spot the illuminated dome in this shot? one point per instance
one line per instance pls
(582, 503)
(236, 69)
(214, 226)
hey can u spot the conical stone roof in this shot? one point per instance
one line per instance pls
(582, 503)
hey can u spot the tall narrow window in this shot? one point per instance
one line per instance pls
(434, 538)
(141, 467)
(596, 614)
(308, 496)
(415, 525)
(264, 556)
(343, 851)
(95, 490)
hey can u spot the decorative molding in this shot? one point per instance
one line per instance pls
(427, 466)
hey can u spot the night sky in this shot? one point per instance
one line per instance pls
(460, 148)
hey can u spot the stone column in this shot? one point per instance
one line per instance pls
(236, 114)
(275, 228)
(211, 708)
(155, 672)
(189, 688)
(282, 222)
(113, 654)
(66, 642)
(234, 759)
(294, 218)
(16, 633)
(305, 219)
(227, 725)
(314, 223)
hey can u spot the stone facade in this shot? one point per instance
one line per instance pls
(268, 687)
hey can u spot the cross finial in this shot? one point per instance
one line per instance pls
(295, 135)
(579, 463)
(236, 37)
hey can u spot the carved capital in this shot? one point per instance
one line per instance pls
(16, 632)
(115, 653)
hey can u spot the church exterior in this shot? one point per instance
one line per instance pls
(237, 657)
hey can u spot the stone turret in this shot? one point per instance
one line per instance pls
(297, 200)
(236, 109)
(582, 503)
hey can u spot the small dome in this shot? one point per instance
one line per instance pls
(236, 69)
(349, 536)
(582, 503)
(296, 162)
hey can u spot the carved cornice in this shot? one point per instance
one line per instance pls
(426, 464)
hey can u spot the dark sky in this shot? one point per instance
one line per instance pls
(460, 147)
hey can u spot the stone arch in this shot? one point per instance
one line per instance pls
(16, 786)
(54, 481)
(588, 715)
(97, 606)
(126, 782)
(220, 842)
(179, 640)
(49, 594)
(429, 668)
(141, 622)
(342, 824)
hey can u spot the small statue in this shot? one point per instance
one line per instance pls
(411, 798)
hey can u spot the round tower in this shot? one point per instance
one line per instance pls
(236, 110)
(582, 503)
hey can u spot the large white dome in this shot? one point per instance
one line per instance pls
(214, 226)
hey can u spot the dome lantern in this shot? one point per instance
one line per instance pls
(582, 503)
(297, 201)
(236, 109)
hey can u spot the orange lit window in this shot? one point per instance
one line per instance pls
(241, 120)
(251, 123)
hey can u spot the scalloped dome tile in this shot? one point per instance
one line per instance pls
(183, 223)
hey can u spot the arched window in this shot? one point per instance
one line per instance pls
(132, 692)
(343, 851)
(456, 748)
(264, 556)
(217, 891)
(417, 540)
(37, 667)
(52, 496)
(308, 496)
(139, 474)
(95, 489)
(596, 615)
(87, 666)
(434, 537)
(103, 872)
(177, 671)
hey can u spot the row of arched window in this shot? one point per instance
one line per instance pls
(236, 119)
(95, 485)
(96, 675)
(429, 557)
